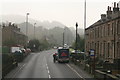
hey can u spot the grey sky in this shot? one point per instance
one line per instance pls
(67, 12)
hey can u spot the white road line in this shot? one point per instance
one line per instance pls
(75, 71)
(48, 71)
(47, 67)
(49, 76)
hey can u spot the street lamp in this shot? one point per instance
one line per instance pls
(34, 30)
(27, 28)
(76, 36)
(27, 24)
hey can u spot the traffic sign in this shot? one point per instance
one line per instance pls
(63, 54)
(92, 52)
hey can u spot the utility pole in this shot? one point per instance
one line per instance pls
(84, 29)
(76, 36)
(34, 30)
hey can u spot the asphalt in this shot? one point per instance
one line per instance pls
(41, 65)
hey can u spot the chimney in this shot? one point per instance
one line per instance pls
(109, 13)
(13, 25)
(19, 29)
(115, 8)
(103, 17)
(9, 24)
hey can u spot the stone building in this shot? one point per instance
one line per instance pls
(11, 36)
(104, 36)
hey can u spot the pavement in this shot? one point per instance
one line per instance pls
(41, 65)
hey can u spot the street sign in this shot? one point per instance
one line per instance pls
(92, 52)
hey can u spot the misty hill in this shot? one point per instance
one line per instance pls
(20, 19)
(52, 31)
(53, 35)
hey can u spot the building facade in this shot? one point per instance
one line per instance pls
(11, 36)
(104, 35)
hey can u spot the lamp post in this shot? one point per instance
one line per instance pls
(27, 24)
(27, 28)
(76, 36)
(34, 30)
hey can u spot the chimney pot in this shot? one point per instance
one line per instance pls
(114, 4)
(117, 5)
(108, 8)
(9, 23)
(103, 17)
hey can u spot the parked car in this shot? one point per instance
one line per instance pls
(28, 50)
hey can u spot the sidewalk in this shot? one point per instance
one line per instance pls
(81, 71)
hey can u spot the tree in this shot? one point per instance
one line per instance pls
(44, 44)
(34, 44)
(80, 43)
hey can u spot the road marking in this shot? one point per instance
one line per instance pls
(49, 76)
(75, 71)
(48, 71)
(47, 67)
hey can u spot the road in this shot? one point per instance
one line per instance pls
(41, 65)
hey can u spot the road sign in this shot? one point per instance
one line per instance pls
(63, 54)
(92, 52)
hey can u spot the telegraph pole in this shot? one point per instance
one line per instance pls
(84, 28)
(63, 37)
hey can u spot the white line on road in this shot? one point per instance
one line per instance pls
(47, 67)
(48, 71)
(75, 71)
(49, 76)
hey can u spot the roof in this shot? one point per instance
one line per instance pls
(18, 32)
(99, 22)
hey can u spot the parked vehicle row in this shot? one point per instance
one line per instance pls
(10, 60)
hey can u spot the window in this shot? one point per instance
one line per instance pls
(101, 31)
(104, 31)
(98, 32)
(108, 29)
(112, 28)
(95, 33)
(118, 27)
(108, 49)
(118, 55)
(104, 50)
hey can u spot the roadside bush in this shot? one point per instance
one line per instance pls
(8, 63)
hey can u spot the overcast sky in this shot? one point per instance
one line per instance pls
(67, 12)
